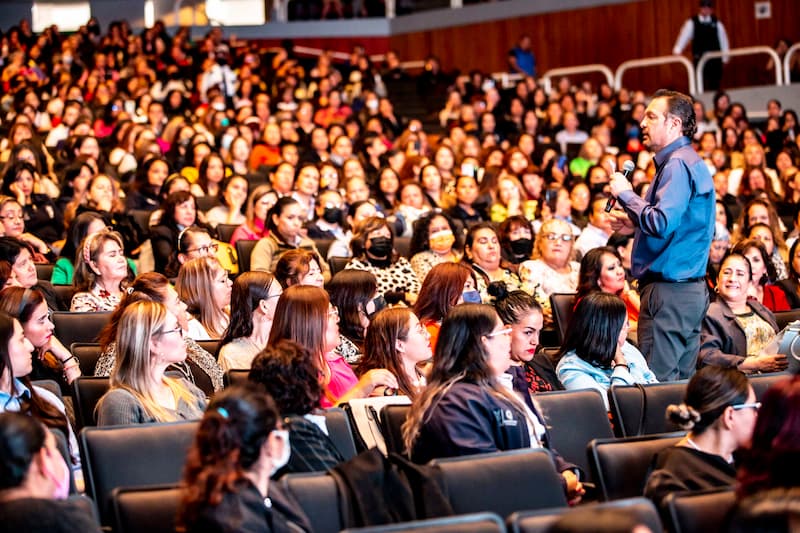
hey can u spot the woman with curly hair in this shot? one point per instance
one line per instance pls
(288, 373)
(226, 482)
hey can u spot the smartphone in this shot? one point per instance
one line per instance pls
(468, 169)
(562, 162)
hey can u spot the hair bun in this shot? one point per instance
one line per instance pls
(683, 415)
(498, 290)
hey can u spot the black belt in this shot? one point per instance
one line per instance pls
(656, 277)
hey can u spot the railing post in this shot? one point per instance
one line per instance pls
(456, 3)
(746, 51)
(787, 60)
(391, 9)
(653, 61)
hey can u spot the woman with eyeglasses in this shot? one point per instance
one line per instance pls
(446, 285)
(469, 405)
(595, 353)
(149, 340)
(200, 368)
(482, 252)
(354, 293)
(719, 411)
(305, 315)
(52, 360)
(553, 266)
(239, 445)
(101, 272)
(12, 224)
(253, 299)
(205, 287)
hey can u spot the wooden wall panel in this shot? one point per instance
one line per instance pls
(608, 35)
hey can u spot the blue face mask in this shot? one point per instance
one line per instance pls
(471, 297)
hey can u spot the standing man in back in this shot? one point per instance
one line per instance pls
(673, 228)
(707, 35)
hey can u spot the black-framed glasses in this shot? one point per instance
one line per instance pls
(178, 330)
(213, 247)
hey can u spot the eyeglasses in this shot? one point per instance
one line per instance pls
(555, 236)
(178, 330)
(504, 331)
(13, 217)
(754, 405)
(213, 247)
(333, 312)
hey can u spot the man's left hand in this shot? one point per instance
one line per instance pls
(619, 183)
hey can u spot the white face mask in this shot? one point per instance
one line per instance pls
(280, 462)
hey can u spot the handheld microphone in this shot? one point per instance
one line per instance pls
(627, 171)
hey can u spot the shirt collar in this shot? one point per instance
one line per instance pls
(23, 393)
(661, 157)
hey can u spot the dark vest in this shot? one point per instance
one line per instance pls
(705, 37)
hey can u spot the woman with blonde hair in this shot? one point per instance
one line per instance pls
(259, 203)
(149, 339)
(101, 272)
(305, 315)
(206, 289)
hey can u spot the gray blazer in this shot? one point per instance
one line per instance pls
(722, 339)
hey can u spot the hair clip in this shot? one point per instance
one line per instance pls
(223, 412)
(129, 290)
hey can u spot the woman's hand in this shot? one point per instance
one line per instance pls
(575, 490)
(55, 347)
(377, 377)
(764, 363)
(38, 244)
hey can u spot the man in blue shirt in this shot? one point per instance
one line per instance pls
(521, 59)
(673, 228)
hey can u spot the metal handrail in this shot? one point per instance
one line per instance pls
(653, 61)
(787, 75)
(746, 51)
(566, 71)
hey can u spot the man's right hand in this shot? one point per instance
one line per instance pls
(620, 222)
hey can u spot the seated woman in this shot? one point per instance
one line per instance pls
(397, 342)
(373, 251)
(736, 329)
(239, 445)
(356, 213)
(205, 287)
(483, 254)
(101, 272)
(791, 285)
(18, 394)
(287, 372)
(434, 241)
(232, 196)
(81, 226)
(42, 217)
(511, 200)
(601, 270)
(180, 212)
(254, 227)
(595, 353)
(762, 289)
(299, 267)
(719, 411)
(150, 176)
(149, 340)
(466, 409)
(304, 315)
(533, 372)
(354, 294)
(34, 481)
(253, 299)
(284, 221)
(446, 285)
(200, 367)
(20, 256)
(516, 239)
(12, 224)
(53, 360)
(553, 265)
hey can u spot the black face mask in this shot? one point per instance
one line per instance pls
(332, 215)
(380, 247)
(522, 247)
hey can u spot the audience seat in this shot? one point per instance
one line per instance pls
(392, 419)
(86, 393)
(574, 418)
(149, 509)
(783, 318)
(641, 410)
(318, 497)
(225, 231)
(235, 376)
(64, 295)
(50, 386)
(620, 466)
(88, 353)
(540, 521)
(468, 523)
(204, 203)
(337, 264)
(209, 345)
(79, 327)
(323, 245)
(44, 271)
(132, 456)
(403, 246)
(142, 219)
(762, 382)
(340, 431)
(501, 482)
(244, 249)
(562, 304)
(706, 512)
